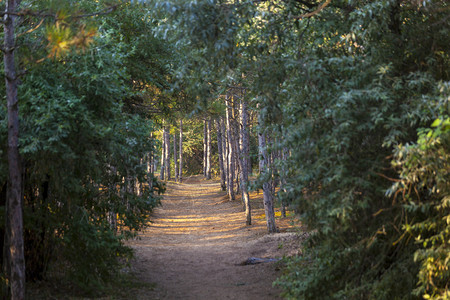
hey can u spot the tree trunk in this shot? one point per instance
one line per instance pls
(284, 172)
(236, 147)
(167, 152)
(244, 154)
(208, 149)
(231, 168)
(14, 218)
(267, 191)
(220, 150)
(180, 169)
(175, 157)
(163, 154)
(205, 150)
(225, 153)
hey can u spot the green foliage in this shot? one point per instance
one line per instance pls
(343, 88)
(84, 153)
(424, 189)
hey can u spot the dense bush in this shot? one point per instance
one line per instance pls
(84, 152)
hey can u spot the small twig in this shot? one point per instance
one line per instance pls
(388, 178)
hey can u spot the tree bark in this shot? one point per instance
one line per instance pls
(244, 154)
(175, 157)
(220, 150)
(231, 168)
(205, 150)
(180, 169)
(167, 152)
(163, 154)
(14, 217)
(208, 149)
(285, 156)
(225, 152)
(267, 190)
(235, 144)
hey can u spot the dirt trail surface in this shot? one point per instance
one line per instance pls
(195, 247)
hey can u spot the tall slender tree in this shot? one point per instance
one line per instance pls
(230, 153)
(14, 259)
(175, 157)
(205, 146)
(167, 152)
(220, 152)
(208, 149)
(163, 154)
(265, 175)
(244, 154)
(180, 169)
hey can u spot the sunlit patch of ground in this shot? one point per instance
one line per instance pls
(193, 247)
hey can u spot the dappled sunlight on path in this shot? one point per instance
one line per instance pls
(195, 243)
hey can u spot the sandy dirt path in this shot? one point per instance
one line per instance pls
(194, 247)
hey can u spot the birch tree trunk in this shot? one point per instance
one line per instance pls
(208, 149)
(175, 157)
(205, 150)
(267, 190)
(244, 154)
(231, 167)
(167, 152)
(220, 150)
(180, 169)
(14, 247)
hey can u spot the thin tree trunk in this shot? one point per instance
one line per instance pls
(225, 152)
(175, 157)
(231, 168)
(267, 191)
(208, 149)
(285, 155)
(14, 261)
(163, 154)
(220, 150)
(236, 140)
(205, 150)
(167, 152)
(244, 160)
(180, 169)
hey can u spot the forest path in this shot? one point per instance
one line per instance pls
(197, 240)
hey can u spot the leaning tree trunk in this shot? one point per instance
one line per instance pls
(267, 191)
(180, 169)
(205, 147)
(231, 168)
(14, 246)
(175, 157)
(244, 154)
(208, 149)
(220, 150)
(167, 153)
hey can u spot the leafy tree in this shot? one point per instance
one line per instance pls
(82, 147)
(345, 82)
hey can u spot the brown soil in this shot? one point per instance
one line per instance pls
(195, 247)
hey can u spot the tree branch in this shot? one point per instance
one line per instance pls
(313, 13)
